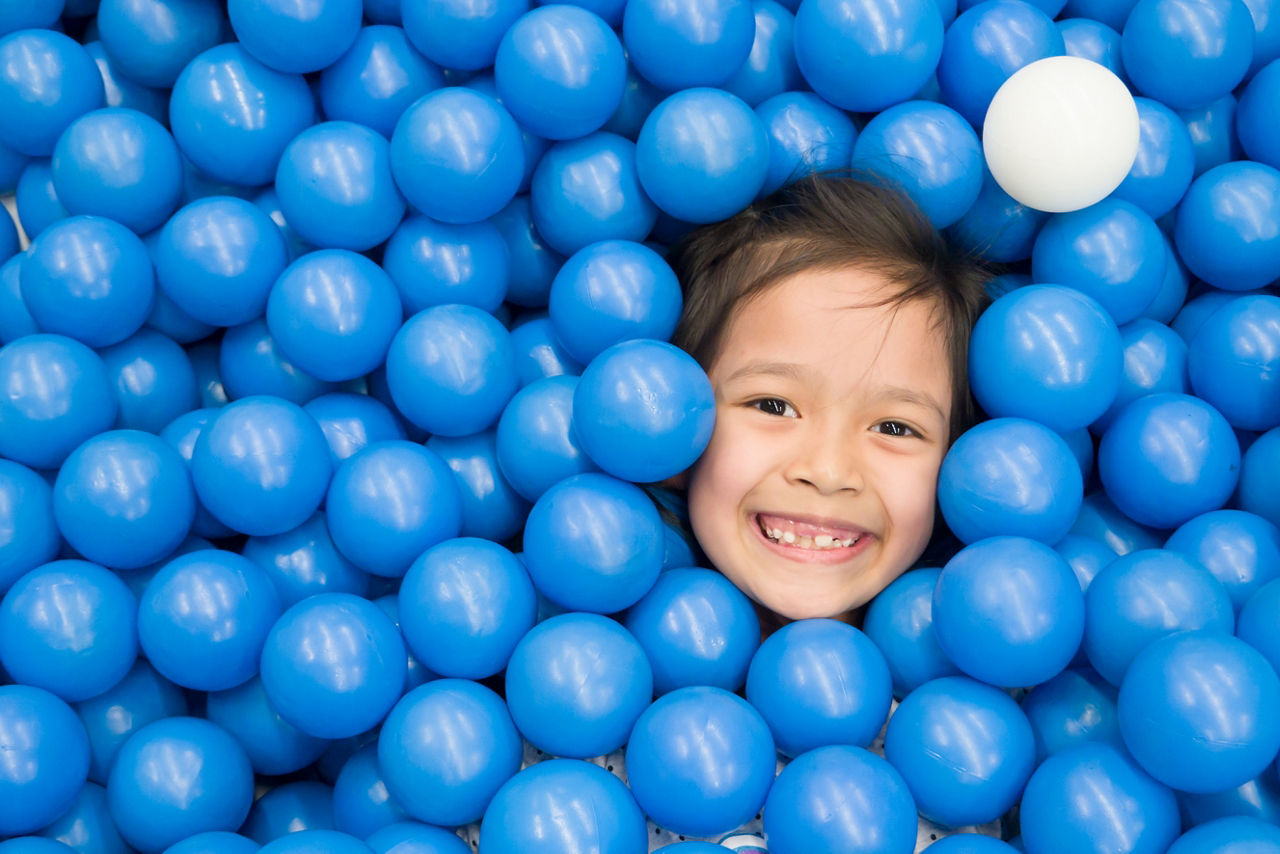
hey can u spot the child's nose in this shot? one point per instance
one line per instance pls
(828, 462)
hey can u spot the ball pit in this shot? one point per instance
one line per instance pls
(342, 438)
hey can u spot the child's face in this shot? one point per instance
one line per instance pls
(818, 486)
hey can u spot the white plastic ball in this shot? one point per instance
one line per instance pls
(1061, 134)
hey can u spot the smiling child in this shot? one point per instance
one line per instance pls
(833, 321)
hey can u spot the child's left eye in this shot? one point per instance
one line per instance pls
(895, 428)
(774, 406)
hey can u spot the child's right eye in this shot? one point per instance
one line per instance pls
(775, 406)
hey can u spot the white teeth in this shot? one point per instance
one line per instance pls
(805, 541)
(789, 537)
(823, 541)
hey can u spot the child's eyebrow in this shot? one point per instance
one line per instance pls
(789, 370)
(911, 396)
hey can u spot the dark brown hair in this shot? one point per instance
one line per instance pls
(830, 222)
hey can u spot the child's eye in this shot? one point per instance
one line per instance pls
(895, 428)
(774, 406)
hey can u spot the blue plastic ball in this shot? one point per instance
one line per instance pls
(1172, 713)
(696, 628)
(899, 620)
(866, 56)
(584, 802)
(15, 320)
(153, 379)
(89, 278)
(304, 805)
(361, 803)
(175, 778)
(1257, 622)
(536, 443)
(593, 543)
(1235, 835)
(1047, 353)
(1086, 556)
(1168, 458)
(1094, 798)
(34, 845)
(929, 152)
(295, 37)
(181, 434)
(1173, 290)
(1214, 140)
(217, 258)
(124, 499)
(465, 604)
(985, 46)
(1187, 53)
(560, 71)
(250, 364)
(204, 357)
(697, 43)
(1155, 362)
(491, 508)
(141, 697)
(1233, 358)
(59, 396)
(771, 67)
(1225, 245)
(1260, 466)
(121, 164)
(1008, 611)
(1242, 550)
(218, 130)
(1111, 251)
(261, 466)
(218, 645)
(304, 561)
(37, 203)
(702, 154)
(456, 155)
(533, 262)
(87, 826)
(965, 750)
(997, 227)
(639, 97)
(316, 842)
(435, 263)
(150, 42)
(576, 685)
(451, 369)
(47, 81)
(48, 757)
(1144, 596)
(1251, 116)
(274, 746)
(1165, 163)
(613, 291)
(1075, 707)
(643, 410)
(539, 353)
(711, 789)
(446, 749)
(839, 798)
(806, 134)
(1100, 520)
(375, 81)
(214, 842)
(1010, 477)
(972, 843)
(69, 627)
(333, 313)
(1093, 40)
(335, 186)
(351, 422)
(587, 190)
(460, 34)
(353, 685)
(41, 15)
(820, 682)
(29, 535)
(411, 837)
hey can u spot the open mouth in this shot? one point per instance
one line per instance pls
(806, 535)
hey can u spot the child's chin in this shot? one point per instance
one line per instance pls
(808, 607)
